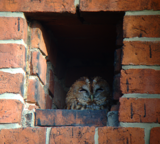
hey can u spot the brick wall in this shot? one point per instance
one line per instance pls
(139, 82)
(28, 82)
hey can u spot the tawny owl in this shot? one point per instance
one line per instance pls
(92, 94)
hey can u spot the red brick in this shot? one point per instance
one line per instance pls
(36, 93)
(116, 87)
(139, 110)
(140, 81)
(33, 107)
(12, 55)
(141, 26)
(11, 83)
(117, 60)
(13, 28)
(39, 66)
(38, 39)
(48, 102)
(154, 135)
(115, 107)
(23, 136)
(38, 6)
(112, 135)
(53, 54)
(58, 117)
(122, 5)
(51, 82)
(141, 53)
(59, 95)
(75, 135)
(10, 111)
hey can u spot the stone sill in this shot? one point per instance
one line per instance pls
(59, 117)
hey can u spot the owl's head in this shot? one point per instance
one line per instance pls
(87, 91)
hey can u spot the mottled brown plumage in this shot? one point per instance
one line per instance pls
(92, 94)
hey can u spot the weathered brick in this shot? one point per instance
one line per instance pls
(10, 111)
(119, 32)
(12, 55)
(59, 95)
(114, 5)
(141, 26)
(38, 6)
(33, 107)
(117, 60)
(70, 118)
(51, 82)
(120, 135)
(154, 135)
(39, 66)
(139, 110)
(53, 54)
(116, 87)
(141, 53)
(115, 107)
(11, 83)
(23, 136)
(13, 28)
(48, 102)
(75, 135)
(36, 93)
(38, 39)
(140, 81)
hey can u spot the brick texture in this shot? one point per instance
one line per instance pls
(75, 135)
(140, 81)
(141, 26)
(36, 93)
(115, 107)
(117, 60)
(33, 107)
(38, 6)
(59, 95)
(48, 102)
(39, 66)
(112, 135)
(141, 53)
(10, 111)
(11, 83)
(154, 135)
(51, 82)
(12, 56)
(139, 110)
(38, 39)
(114, 5)
(65, 117)
(116, 87)
(13, 28)
(23, 136)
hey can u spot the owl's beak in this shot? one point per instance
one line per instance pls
(91, 97)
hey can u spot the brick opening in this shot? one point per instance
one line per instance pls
(23, 74)
(81, 44)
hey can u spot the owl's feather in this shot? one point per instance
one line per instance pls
(92, 94)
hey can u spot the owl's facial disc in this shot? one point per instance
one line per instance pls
(82, 90)
(98, 90)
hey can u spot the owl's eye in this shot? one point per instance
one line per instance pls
(99, 90)
(83, 90)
